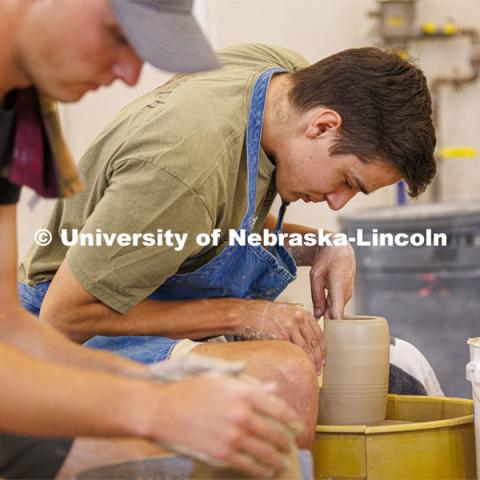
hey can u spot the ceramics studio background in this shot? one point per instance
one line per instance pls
(314, 28)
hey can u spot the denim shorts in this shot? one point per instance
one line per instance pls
(143, 349)
(31, 298)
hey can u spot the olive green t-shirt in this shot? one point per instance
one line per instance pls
(174, 159)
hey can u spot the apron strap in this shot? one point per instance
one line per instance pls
(281, 215)
(254, 136)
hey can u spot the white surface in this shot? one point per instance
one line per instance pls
(473, 374)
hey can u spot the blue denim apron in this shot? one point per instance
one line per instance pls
(249, 272)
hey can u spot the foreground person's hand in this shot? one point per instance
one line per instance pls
(264, 320)
(227, 422)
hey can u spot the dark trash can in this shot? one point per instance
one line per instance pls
(429, 294)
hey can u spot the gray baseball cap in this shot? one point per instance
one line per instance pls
(165, 34)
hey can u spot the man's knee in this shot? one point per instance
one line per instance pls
(291, 369)
(282, 363)
(272, 360)
(297, 383)
(293, 365)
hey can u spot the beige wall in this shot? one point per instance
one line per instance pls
(315, 28)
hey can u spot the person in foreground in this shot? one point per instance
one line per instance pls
(52, 387)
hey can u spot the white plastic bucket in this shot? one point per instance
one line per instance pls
(473, 375)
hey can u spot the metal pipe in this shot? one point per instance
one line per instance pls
(456, 82)
(397, 30)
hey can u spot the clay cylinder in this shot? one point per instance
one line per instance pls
(355, 376)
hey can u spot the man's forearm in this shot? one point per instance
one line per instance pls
(40, 397)
(194, 319)
(333, 270)
(79, 315)
(23, 331)
(303, 255)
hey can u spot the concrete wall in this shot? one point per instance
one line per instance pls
(315, 28)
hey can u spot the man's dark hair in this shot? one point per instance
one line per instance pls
(385, 107)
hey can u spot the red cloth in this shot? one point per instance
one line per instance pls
(32, 162)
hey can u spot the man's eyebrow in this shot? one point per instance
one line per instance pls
(361, 186)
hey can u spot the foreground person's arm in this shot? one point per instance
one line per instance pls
(20, 329)
(219, 417)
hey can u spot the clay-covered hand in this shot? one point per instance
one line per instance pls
(291, 322)
(227, 422)
(189, 365)
(333, 269)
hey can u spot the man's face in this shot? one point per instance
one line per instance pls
(73, 46)
(308, 171)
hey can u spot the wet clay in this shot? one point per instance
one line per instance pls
(355, 378)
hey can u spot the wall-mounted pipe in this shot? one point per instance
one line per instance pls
(455, 81)
(397, 29)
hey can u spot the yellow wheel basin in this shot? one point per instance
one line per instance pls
(423, 438)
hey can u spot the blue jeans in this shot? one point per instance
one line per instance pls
(31, 298)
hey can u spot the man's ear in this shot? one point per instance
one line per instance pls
(323, 120)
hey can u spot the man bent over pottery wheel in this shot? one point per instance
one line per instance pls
(212, 151)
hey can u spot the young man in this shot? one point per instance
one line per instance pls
(209, 152)
(51, 386)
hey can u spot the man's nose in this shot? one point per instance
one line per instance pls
(128, 66)
(338, 199)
